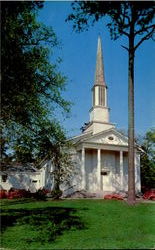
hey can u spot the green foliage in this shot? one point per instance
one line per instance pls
(148, 160)
(64, 168)
(121, 15)
(56, 193)
(40, 195)
(31, 85)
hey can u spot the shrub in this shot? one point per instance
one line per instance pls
(40, 194)
(149, 195)
(22, 193)
(113, 197)
(3, 194)
(56, 194)
(18, 193)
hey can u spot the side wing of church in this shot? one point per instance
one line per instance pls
(101, 152)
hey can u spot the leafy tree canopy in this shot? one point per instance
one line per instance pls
(122, 15)
(148, 160)
(31, 85)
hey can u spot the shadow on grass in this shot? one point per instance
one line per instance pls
(48, 223)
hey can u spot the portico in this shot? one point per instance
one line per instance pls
(104, 169)
(96, 158)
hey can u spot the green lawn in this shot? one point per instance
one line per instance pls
(77, 224)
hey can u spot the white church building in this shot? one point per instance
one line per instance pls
(101, 152)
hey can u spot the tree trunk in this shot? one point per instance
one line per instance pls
(56, 192)
(131, 143)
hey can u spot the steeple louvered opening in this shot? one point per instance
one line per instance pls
(101, 96)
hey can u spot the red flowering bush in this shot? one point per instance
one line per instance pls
(149, 195)
(113, 197)
(3, 194)
(22, 193)
(46, 191)
(14, 195)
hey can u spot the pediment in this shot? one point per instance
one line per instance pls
(111, 137)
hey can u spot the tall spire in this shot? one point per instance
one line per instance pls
(99, 74)
(99, 113)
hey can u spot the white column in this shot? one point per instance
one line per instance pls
(99, 168)
(83, 169)
(96, 95)
(137, 172)
(106, 97)
(121, 170)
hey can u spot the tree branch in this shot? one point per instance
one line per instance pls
(126, 16)
(146, 37)
(125, 33)
(124, 47)
(144, 29)
(121, 21)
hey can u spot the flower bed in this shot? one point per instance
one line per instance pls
(3, 194)
(22, 193)
(113, 197)
(149, 195)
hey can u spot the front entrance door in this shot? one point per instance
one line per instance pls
(107, 170)
(105, 178)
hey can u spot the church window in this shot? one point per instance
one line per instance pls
(104, 172)
(101, 96)
(111, 138)
(34, 181)
(4, 177)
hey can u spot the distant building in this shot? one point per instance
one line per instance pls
(101, 152)
(26, 177)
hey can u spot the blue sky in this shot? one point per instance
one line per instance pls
(78, 53)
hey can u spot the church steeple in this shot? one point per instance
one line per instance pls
(100, 88)
(99, 113)
(99, 74)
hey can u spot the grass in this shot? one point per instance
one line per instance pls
(77, 224)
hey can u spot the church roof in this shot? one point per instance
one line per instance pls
(109, 136)
(18, 167)
(113, 133)
(99, 74)
(81, 137)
